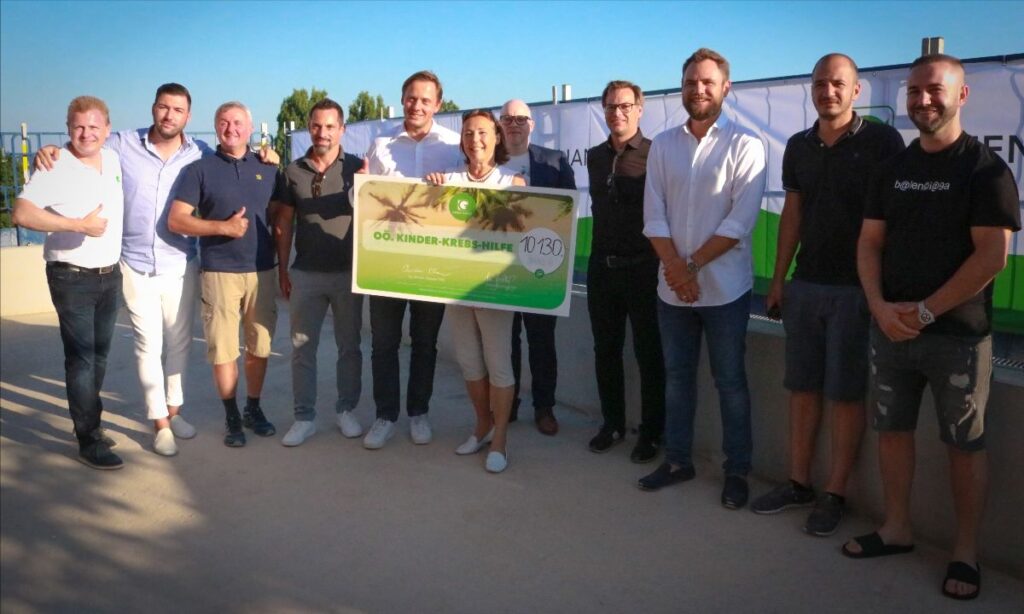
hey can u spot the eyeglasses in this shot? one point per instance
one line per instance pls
(519, 120)
(625, 107)
(318, 183)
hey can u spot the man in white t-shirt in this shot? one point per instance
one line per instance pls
(420, 146)
(80, 204)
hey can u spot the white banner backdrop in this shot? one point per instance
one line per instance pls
(775, 109)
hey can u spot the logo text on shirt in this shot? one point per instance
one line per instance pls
(921, 186)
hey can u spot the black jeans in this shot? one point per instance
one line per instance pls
(386, 315)
(86, 305)
(540, 335)
(612, 296)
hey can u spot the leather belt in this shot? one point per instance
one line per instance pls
(103, 270)
(621, 262)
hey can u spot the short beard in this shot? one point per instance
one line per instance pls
(166, 135)
(712, 111)
(321, 149)
(945, 116)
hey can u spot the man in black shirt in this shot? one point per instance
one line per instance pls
(824, 172)
(622, 276)
(312, 194)
(937, 226)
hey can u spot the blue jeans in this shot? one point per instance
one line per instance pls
(312, 294)
(86, 304)
(726, 331)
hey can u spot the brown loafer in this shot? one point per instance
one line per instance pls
(546, 422)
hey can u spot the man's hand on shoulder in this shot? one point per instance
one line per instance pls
(46, 157)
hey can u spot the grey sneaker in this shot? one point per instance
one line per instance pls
(783, 497)
(419, 429)
(381, 431)
(827, 514)
(181, 428)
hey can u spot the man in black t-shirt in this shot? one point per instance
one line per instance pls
(938, 220)
(313, 197)
(824, 172)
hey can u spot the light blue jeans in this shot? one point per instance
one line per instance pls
(312, 294)
(725, 327)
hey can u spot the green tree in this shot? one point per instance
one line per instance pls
(294, 108)
(7, 186)
(448, 106)
(366, 107)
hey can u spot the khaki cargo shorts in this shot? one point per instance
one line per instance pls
(233, 298)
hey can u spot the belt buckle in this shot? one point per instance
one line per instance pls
(103, 270)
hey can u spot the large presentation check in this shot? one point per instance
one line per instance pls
(505, 248)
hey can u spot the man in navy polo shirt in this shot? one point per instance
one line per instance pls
(231, 191)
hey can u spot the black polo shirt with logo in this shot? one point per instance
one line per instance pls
(929, 203)
(832, 182)
(617, 198)
(218, 186)
(323, 225)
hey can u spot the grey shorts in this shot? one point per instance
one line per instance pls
(959, 372)
(826, 340)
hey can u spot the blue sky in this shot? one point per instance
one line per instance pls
(484, 52)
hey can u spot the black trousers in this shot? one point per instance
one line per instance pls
(386, 315)
(540, 335)
(613, 294)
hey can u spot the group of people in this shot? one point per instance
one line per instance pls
(898, 246)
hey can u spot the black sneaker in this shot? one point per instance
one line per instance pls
(234, 438)
(254, 419)
(645, 450)
(827, 514)
(606, 439)
(97, 455)
(101, 434)
(735, 492)
(664, 476)
(783, 497)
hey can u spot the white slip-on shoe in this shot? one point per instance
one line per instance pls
(163, 442)
(474, 445)
(496, 462)
(381, 431)
(419, 429)
(181, 428)
(300, 432)
(349, 426)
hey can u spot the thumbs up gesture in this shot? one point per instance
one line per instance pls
(92, 224)
(236, 225)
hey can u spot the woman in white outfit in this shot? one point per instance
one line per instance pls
(483, 337)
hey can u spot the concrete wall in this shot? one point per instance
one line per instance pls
(1002, 536)
(23, 274)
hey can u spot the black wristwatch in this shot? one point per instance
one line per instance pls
(692, 267)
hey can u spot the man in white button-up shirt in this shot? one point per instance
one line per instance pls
(703, 194)
(419, 147)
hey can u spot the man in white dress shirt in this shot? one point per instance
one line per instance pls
(703, 194)
(418, 147)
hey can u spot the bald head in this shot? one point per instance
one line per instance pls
(516, 125)
(834, 88)
(835, 59)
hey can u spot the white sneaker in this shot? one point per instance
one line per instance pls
(419, 429)
(381, 431)
(300, 432)
(163, 443)
(474, 445)
(496, 462)
(349, 426)
(181, 428)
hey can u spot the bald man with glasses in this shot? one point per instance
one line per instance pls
(543, 168)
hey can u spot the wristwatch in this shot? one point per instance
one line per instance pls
(924, 316)
(692, 267)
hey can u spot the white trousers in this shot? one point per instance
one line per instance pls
(162, 310)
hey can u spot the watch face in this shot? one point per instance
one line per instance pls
(692, 267)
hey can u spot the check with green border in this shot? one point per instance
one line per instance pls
(497, 247)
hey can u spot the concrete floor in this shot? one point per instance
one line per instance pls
(331, 527)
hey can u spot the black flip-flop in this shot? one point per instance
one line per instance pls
(962, 572)
(871, 545)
